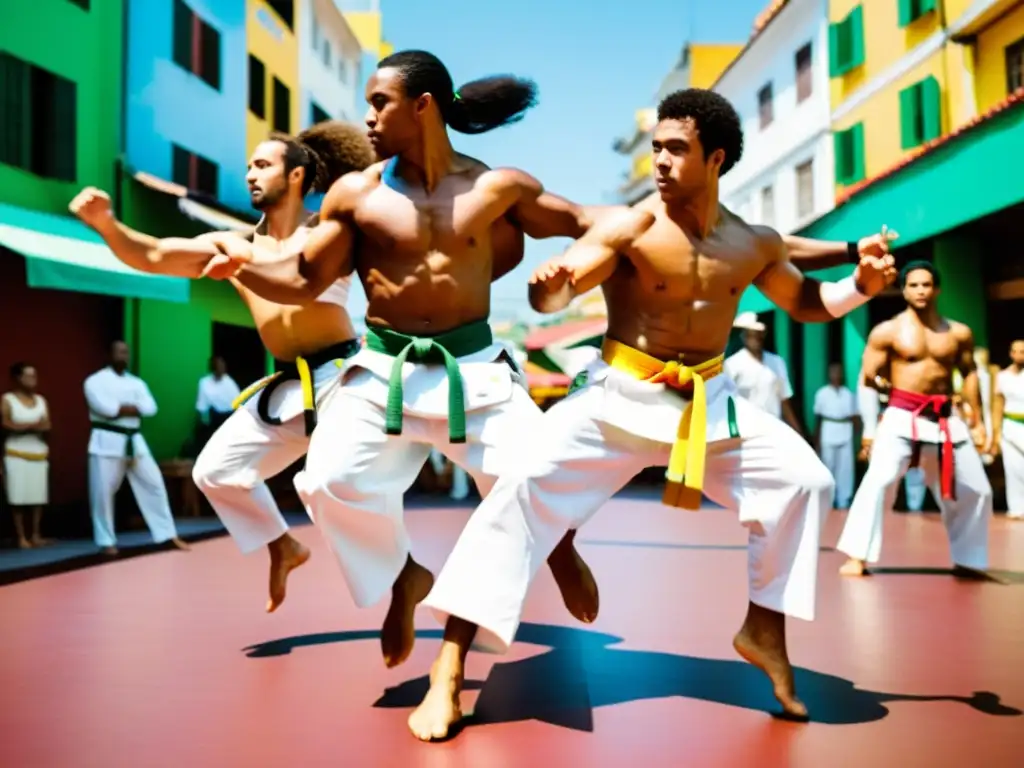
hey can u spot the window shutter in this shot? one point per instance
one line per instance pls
(909, 106)
(925, 6)
(182, 32)
(210, 55)
(931, 107)
(15, 111)
(856, 22)
(64, 133)
(906, 12)
(857, 142)
(842, 162)
(833, 51)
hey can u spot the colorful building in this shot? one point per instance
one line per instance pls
(273, 69)
(928, 122)
(330, 60)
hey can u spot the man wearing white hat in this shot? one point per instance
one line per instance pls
(761, 376)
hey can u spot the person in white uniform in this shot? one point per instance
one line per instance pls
(672, 271)
(118, 401)
(217, 392)
(912, 358)
(1008, 429)
(761, 376)
(270, 430)
(837, 421)
(26, 420)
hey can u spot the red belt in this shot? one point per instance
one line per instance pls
(939, 405)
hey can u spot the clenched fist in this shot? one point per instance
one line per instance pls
(92, 206)
(877, 245)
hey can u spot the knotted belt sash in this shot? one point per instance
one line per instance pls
(936, 408)
(442, 349)
(129, 432)
(300, 369)
(685, 475)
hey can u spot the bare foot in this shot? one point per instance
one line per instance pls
(39, 541)
(853, 567)
(109, 551)
(179, 544)
(575, 580)
(398, 635)
(24, 544)
(440, 709)
(286, 554)
(762, 641)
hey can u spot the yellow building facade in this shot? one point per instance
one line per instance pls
(273, 71)
(908, 72)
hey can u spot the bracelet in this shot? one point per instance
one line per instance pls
(841, 297)
(853, 253)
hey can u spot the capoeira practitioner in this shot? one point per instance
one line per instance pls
(913, 356)
(271, 430)
(672, 271)
(1008, 429)
(418, 229)
(118, 401)
(836, 410)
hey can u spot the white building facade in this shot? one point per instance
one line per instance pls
(329, 65)
(779, 85)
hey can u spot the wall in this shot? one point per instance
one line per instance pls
(334, 87)
(367, 26)
(167, 104)
(83, 46)
(990, 63)
(709, 60)
(272, 42)
(798, 131)
(68, 338)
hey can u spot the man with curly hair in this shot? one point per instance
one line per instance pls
(271, 430)
(672, 270)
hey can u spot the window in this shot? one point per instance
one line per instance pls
(912, 10)
(764, 105)
(37, 120)
(768, 206)
(282, 107)
(327, 53)
(193, 171)
(805, 189)
(317, 113)
(846, 43)
(196, 45)
(804, 76)
(285, 9)
(920, 113)
(1015, 66)
(343, 70)
(849, 150)
(316, 31)
(257, 88)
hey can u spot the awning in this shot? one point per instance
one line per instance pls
(191, 206)
(63, 254)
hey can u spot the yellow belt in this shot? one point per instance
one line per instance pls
(25, 455)
(1017, 417)
(685, 475)
(305, 377)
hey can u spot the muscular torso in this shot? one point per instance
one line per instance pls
(289, 331)
(674, 297)
(425, 259)
(923, 359)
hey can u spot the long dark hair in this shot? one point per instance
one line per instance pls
(476, 107)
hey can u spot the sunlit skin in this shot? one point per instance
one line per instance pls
(24, 389)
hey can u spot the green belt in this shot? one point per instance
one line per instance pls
(1017, 417)
(129, 444)
(440, 349)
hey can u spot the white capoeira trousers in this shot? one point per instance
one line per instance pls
(1012, 449)
(966, 518)
(245, 452)
(839, 461)
(588, 447)
(355, 471)
(106, 473)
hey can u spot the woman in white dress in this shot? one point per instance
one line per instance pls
(26, 421)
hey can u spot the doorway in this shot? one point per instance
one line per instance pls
(242, 350)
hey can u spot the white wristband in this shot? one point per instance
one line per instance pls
(842, 297)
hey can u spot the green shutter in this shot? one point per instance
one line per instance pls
(839, 148)
(857, 140)
(64, 133)
(931, 108)
(906, 12)
(856, 22)
(834, 65)
(909, 109)
(925, 6)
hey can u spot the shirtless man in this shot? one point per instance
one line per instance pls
(672, 271)
(912, 357)
(418, 229)
(311, 342)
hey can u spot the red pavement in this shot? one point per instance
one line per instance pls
(143, 663)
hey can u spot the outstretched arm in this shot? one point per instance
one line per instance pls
(809, 255)
(589, 261)
(310, 260)
(174, 256)
(810, 301)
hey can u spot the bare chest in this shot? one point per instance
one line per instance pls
(916, 344)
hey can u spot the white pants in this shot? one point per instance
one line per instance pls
(353, 467)
(106, 473)
(1013, 466)
(839, 461)
(576, 461)
(966, 518)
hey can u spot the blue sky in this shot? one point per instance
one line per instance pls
(595, 63)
